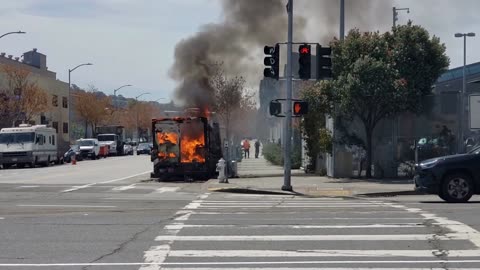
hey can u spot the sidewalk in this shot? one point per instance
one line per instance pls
(258, 175)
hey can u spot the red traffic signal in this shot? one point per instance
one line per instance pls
(305, 61)
(300, 108)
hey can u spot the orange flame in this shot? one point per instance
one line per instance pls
(192, 149)
(164, 155)
(164, 137)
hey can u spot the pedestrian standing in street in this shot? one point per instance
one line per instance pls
(246, 148)
(257, 148)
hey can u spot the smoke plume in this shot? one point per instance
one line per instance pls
(247, 26)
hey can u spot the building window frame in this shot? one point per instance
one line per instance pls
(55, 100)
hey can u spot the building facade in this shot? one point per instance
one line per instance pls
(57, 91)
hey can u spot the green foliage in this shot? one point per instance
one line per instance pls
(273, 153)
(381, 75)
(317, 139)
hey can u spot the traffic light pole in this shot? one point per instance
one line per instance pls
(287, 141)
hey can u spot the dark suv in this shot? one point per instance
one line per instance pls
(454, 178)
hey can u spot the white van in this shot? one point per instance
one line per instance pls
(89, 148)
(28, 145)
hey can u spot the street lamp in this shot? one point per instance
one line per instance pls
(10, 33)
(115, 93)
(395, 14)
(136, 122)
(70, 99)
(461, 123)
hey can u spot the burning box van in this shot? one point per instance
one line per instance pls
(185, 148)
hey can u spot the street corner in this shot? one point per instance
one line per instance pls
(388, 193)
(326, 192)
(226, 188)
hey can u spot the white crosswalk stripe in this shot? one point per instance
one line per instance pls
(257, 233)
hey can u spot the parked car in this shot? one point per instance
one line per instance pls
(127, 149)
(143, 148)
(74, 150)
(89, 148)
(454, 178)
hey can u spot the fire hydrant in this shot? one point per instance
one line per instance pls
(221, 171)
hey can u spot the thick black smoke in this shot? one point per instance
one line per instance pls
(247, 26)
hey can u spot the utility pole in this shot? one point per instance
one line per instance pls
(330, 121)
(461, 122)
(395, 118)
(395, 14)
(287, 162)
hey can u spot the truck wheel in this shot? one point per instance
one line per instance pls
(34, 163)
(47, 163)
(457, 188)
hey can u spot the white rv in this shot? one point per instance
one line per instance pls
(28, 145)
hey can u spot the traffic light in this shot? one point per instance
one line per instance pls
(324, 62)
(300, 108)
(305, 61)
(275, 108)
(271, 61)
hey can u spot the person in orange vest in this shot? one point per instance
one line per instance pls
(246, 148)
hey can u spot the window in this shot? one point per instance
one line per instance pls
(53, 139)
(55, 101)
(50, 139)
(65, 128)
(55, 126)
(65, 102)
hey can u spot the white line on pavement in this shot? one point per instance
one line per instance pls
(291, 206)
(158, 264)
(66, 205)
(364, 237)
(323, 253)
(166, 189)
(27, 186)
(457, 227)
(288, 268)
(404, 225)
(158, 254)
(104, 182)
(122, 188)
(313, 218)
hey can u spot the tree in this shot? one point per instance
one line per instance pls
(317, 138)
(382, 75)
(231, 98)
(92, 108)
(22, 99)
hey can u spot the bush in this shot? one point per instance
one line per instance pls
(273, 154)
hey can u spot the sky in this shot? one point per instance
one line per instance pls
(133, 41)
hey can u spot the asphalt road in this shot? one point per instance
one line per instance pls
(106, 215)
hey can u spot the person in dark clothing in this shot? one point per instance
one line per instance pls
(257, 148)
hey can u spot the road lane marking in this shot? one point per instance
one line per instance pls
(331, 237)
(122, 188)
(457, 227)
(159, 265)
(158, 254)
(66, 205)
(166, 189)
(368, 226)
(320, 253)
(28, 186)
(104, 182)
